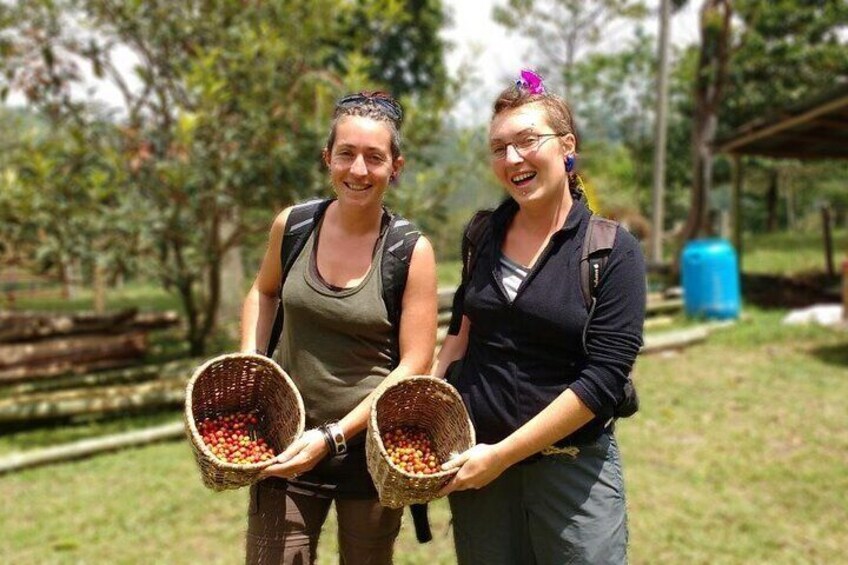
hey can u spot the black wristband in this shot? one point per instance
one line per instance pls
(335, 437)
(328, 439)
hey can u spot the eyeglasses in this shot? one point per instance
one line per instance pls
(525, 144)
(380, 99)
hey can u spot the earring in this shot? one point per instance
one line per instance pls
(569, 162)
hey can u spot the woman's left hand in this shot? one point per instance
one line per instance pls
(478, 467)
(300, 457)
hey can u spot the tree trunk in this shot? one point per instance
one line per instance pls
(212, 303)
(828, 240)
(771, 202)
(71, 275)
(710, 79)
(232, 279)
(185, 283)
(790, 205)
(658, 195)
(99, 284)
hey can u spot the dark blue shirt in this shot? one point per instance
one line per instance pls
(522, 354)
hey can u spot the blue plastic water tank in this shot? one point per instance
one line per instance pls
(710, 277)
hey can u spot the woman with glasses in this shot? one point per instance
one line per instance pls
(544, 484)
(339, 343)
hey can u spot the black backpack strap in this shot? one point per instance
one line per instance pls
(299, 225)
(476, 231)
(597, 245)
(421, 521)
(400, 239)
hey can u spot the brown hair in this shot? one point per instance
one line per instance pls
(369, 105)
(557, 111)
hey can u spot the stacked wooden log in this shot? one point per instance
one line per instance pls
(63, 349)
(147, 387)
(142, 388)
(59, 366)
(39, 345)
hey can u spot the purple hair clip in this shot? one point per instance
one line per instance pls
(531, 82)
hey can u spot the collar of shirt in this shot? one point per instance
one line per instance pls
(504, 213)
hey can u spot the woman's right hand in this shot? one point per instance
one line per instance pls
(301, 456)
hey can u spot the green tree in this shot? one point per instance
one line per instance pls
(61, 202)
(399, 40)
(614, 101)
(787, 51)
(565, 30)
(754, 60)
(709, 86)
(230, 111)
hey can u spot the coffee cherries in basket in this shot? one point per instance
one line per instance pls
(234, 438)
(410, 449)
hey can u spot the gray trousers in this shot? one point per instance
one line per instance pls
(558, 509)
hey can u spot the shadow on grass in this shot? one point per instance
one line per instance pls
(832, 354)
(778, 291)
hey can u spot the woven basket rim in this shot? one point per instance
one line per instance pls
(376, 429)
(198, 442)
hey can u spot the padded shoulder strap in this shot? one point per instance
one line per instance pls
(597, 245)
(478, 228)
(300, 223)
(400, 239)
(476, 231)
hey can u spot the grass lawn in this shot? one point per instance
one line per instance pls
(791, 253)
(739, 455)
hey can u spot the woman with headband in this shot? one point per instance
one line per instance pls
(542, 375)
(339, 340)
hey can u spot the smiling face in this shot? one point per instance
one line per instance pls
(360, 160)
(527, 156)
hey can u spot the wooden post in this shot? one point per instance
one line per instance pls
(845, 290)
(736, 207)
(99, 283)
(828, 240)
(658, 196)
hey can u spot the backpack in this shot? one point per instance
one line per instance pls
(400, 239)
(597, 245)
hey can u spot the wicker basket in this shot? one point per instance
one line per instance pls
(242, 382)
(427, 403)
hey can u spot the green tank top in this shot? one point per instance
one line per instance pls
(336, 344)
